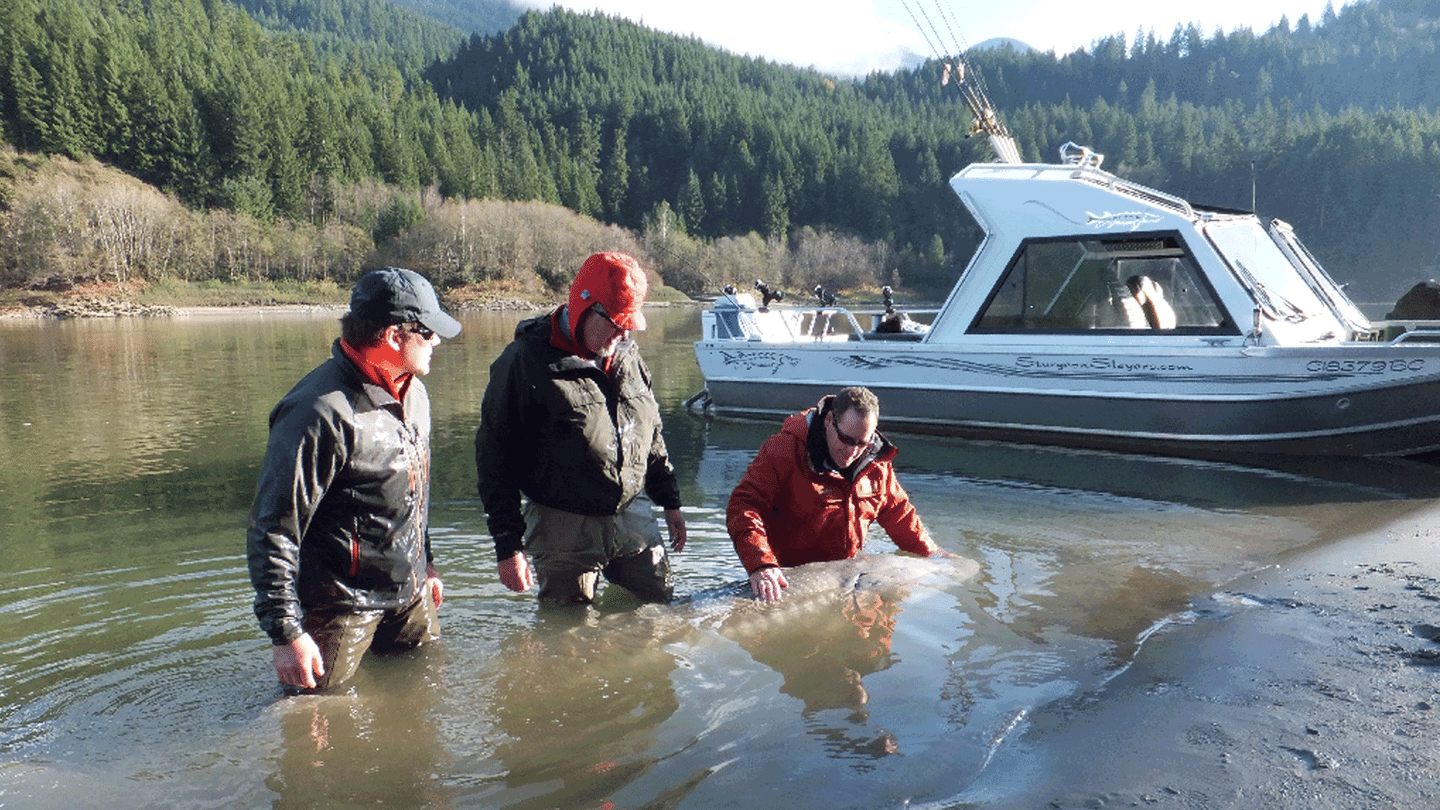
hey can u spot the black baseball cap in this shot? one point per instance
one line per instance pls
(397, 295)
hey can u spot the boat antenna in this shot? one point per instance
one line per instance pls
(984, 119)
(1253, 208)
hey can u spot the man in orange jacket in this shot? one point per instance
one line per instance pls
(814, 489)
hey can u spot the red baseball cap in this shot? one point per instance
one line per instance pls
(614, 281)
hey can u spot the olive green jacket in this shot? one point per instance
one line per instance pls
(567, 435)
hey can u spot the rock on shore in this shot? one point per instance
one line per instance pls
(97, 308)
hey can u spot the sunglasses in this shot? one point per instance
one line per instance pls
(418, 329)
(845, 438)
(599, 309)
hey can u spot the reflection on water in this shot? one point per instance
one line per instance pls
(580, 721)
(132, 673)
(341, 751)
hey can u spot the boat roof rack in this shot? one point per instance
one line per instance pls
(1086, 163)
(1109, 181)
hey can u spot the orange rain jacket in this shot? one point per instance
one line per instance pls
(784, 512)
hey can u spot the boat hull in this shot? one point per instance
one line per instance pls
(1361, 400)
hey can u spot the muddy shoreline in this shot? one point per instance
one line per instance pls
(117, 308)
(1314, 684)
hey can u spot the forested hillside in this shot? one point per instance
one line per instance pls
(412, 32)
(470, 16)
(195, 98)
(361, 28)
(1371, 55)
(614, 120)
(1329, 124)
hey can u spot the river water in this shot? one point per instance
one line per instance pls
(132, 673)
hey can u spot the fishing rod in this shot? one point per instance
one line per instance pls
(968, 82)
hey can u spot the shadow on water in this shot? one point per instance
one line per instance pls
(1240, 482)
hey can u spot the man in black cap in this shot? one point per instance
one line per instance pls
(338, 542)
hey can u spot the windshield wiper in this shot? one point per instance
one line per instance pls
(1265, 298)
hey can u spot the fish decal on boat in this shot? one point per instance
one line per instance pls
(752, 361)
(1028, 366)
(1126, 220)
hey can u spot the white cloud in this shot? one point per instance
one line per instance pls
(850, 33)
(856, 36)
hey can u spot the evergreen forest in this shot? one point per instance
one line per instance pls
(312, 137)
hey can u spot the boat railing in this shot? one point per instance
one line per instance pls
(1086, 163)
(785, 324)
(818, 324)
(1110, 182)
(1416, 335)
(742, 324)
(1087, 172)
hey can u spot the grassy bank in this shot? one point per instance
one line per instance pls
(68, 225)
(108, 299)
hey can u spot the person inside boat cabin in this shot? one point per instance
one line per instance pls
(1156, 312)
(813, 490)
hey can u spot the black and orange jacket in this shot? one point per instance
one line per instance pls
(341, 512)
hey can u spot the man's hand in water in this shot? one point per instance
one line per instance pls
(299, 663)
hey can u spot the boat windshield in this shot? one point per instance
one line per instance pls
(1324, 286)
(1087, 283)
(1279, 289)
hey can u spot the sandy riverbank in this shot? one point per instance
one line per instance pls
(109, 308)
(97, 299)
(277, 310)
(114, 309)
(1315, 684)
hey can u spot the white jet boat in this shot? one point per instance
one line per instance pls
(1097, 312)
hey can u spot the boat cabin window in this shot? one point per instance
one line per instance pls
(1138, 282)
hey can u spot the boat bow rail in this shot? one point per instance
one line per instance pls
(1086, 165)
(1430, 333)
(736, 317)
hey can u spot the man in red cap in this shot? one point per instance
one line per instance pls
(570, 421)
(338, 543)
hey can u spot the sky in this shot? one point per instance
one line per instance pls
(854, 37)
